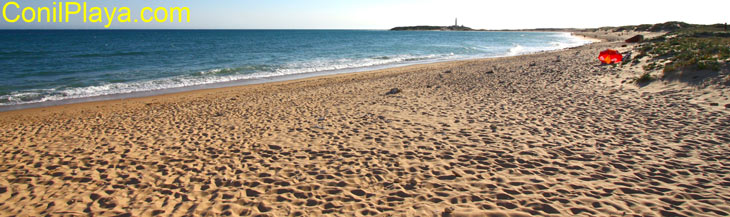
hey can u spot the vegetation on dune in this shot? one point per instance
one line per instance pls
(688, 51)
(694, 52)
(659, 27)
(643, 79)
(689, 48)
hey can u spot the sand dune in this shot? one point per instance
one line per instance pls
(541, 134)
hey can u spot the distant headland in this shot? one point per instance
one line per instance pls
(432, 28)
(455, 27)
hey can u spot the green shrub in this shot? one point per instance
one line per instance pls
(643, 79)
(684, 51)
(650, 66)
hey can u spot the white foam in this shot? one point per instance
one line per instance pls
(201, 78)
(564, 40)
(219, 75)
(516, 50)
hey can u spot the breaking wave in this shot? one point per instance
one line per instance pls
(54, 73)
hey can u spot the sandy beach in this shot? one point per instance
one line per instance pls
(547, 134)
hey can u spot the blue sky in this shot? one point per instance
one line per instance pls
(384, 14)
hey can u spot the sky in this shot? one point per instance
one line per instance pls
(385, 14)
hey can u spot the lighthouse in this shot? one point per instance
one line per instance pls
(456, 21)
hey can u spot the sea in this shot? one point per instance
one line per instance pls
(49, 67)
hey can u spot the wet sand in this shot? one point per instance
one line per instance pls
(553, 134)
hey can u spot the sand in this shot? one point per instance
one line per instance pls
(553, 134)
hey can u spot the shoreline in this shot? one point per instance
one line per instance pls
(255, 83)
(262, 80)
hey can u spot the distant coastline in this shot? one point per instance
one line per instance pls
(464, 28)
(432, 28)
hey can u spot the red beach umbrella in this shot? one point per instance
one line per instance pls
(610, 56)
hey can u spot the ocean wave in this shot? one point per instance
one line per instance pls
(235, 70)
(281, 66)
(562, 41)
(65, 93)
(204, 77)
(9, 55)
(319, 65)
(19, 52)
(515, 50)
(110, 54)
